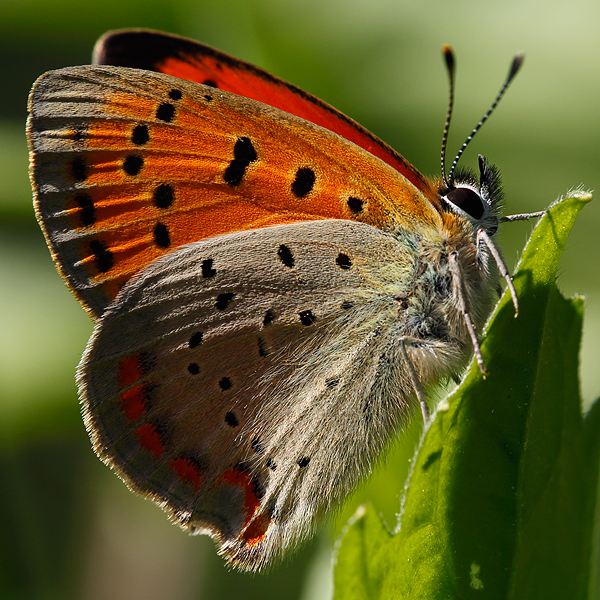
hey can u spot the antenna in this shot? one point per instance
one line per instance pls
(449, 57)
(514, 68)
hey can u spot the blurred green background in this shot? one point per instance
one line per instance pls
(68, 527)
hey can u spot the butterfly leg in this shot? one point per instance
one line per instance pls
(487, 240)
(462, 299)
(523, 216)
(415, 379)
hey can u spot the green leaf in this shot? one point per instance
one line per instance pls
(502, 496)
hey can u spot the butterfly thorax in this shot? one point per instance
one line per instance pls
(431, 310)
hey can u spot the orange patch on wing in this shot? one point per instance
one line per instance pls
(256, 531)
(150, 439)
(131, 105)
(258, 528)
(133, 402)
(187, 470)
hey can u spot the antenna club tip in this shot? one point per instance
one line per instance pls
(448, 56)
(516, 64)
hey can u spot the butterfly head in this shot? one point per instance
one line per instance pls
(479, 199)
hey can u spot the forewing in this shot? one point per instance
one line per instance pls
(187, 59)
(127, 165)
(246, 382)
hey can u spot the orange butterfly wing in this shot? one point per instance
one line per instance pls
(187, 59)
(128, 165)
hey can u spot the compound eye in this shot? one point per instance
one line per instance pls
(468, 200)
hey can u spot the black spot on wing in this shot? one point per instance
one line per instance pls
(196, 339)
(343, 261)
(223, 300)
(355, 205)
(207, 268)
(133, 164)
(286, 256)
(163, 196)
(231, 419)
(303, 182)
(140, 135)
(103, 257)
(307, 317)
(161, 235)
(87, 211)
(244, 153)
(165, 112)
(225, 383)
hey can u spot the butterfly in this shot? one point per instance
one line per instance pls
(274, 288)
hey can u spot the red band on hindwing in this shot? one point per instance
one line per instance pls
(187, 470)
(150, 439)
(256, 531)
(133, 402)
